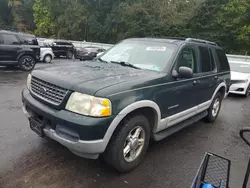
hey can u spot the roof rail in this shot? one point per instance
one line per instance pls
(200, 41)
(177, 38)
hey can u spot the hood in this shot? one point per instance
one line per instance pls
(88, 77)
(239, 76)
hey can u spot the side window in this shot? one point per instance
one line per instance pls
(28, 40)
(224, 65)
(10, 39)
(100, 50)
(187, 58)
(1, 39)
(205, 60)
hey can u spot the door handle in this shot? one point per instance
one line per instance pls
(194, 82)
(216, 77)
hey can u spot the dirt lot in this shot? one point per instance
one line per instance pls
(29, 161)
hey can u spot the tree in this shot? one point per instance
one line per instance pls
(6, 18)
(22, 12)
(60, 19)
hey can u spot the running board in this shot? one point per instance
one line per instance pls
(175, 128)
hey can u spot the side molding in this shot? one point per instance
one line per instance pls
(181, 116)
(127, 110)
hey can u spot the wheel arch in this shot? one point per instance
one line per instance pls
(24, 54)
(145, 107)
(220, 88)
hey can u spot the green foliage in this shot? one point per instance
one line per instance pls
(22, 12)
(226, 22)
(6, 18)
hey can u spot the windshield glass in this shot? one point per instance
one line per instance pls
(142, 54)
(240, 67)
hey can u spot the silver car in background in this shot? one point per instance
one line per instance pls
(240, 78)
(46, 53)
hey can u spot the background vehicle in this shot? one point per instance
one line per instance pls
(62, 48)
(87, 53)
(240, 78)
(141, 89)
(19, 49)
(46, 52)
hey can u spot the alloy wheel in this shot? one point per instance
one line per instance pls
(134, 144)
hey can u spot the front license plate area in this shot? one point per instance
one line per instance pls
(37, 126)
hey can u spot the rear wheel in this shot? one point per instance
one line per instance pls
(69, 55)
(214, 108)
(128, 144)
(27, 63)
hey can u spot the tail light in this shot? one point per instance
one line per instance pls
(85, 52)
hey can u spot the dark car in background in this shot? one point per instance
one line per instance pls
(62, 48)
(87, 53)
(18, 49)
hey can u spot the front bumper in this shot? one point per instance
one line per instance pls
(238, 88)
(60, 124)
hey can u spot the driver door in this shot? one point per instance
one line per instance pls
(179, 97)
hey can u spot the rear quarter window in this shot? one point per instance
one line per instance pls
(222, 60)
(28, 40)
(206, 60)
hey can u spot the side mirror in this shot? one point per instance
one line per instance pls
(184, 72)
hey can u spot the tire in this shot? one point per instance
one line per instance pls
(114, 154)
(26, 63)
(47, 58)
(214, 108)
(247, 91)
(69, 55)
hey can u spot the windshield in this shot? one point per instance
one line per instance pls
(143, 54)
(240, 67)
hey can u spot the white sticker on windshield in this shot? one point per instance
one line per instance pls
(153, 48)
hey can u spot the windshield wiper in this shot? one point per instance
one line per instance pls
(125, 64)
(100, 59)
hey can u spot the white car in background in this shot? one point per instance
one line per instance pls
(240, 78)
(46, 53)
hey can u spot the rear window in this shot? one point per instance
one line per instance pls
(28, 40)
(224, 65)
(207, 64)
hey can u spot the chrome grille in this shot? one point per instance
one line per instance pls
(47, 91)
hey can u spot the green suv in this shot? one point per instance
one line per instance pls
(141, 89)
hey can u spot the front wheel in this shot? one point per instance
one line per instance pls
(128, 144)
(247, 91)
(214, 108)
(27, 63)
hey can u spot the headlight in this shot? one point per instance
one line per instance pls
(89, 105)
(28, 84)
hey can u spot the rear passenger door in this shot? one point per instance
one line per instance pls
(207, 75)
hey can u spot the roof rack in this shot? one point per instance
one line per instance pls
(176, 38)
(200, 41)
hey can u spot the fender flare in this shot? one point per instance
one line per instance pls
(217, 89)
(25, 53)
(130, 108)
